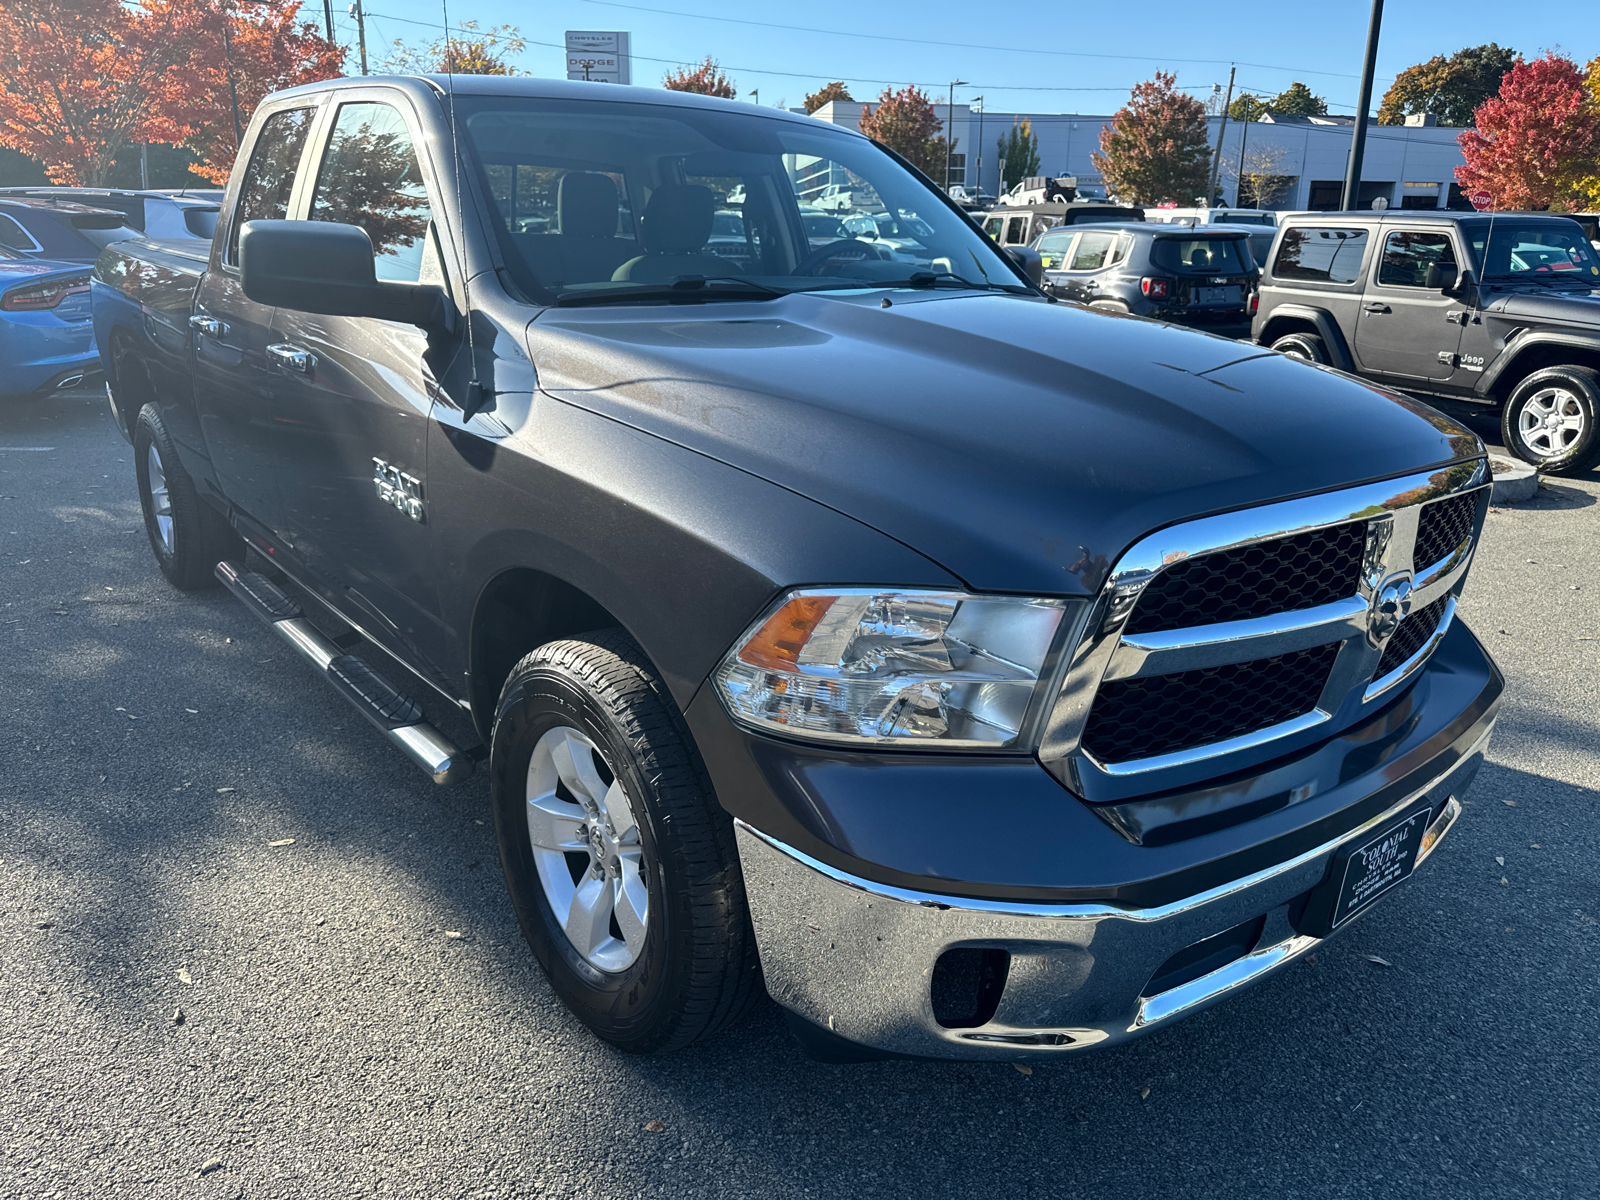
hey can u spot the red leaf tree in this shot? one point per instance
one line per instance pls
(84, 78)
(1157, 148)
(1534, 140)
(905, 122)
(707, 79)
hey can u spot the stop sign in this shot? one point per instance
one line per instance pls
(1481, 200)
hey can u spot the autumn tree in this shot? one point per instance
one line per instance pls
(85, 78)
(1448, 88)
(268, 48)
(1297, 100)
(469, 51)
(905, 122)
(1157, 149)
(1247, 108)
(1020, 149)
(1534, 141)
(706, 79)
(825, 94)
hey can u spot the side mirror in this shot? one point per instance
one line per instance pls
(324, 267)
(1441, 277)
(1028, 259)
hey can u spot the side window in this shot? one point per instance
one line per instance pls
(1053, 248)
(1317, 255)
(1092, 251)
(1017, 232)
(993, 226)
(1407, 257)
(15, 236)
(269, 179)
(370, 177)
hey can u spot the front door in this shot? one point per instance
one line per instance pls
(237, 388)
(1405, 330)
(355, 499)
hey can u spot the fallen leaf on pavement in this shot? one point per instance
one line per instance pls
(192, 710)
(1509, 803)
(1024, 1069)
(185, 977)
(210, 1165)
(282, 842)
(1504, 882)
(1499, 859)
(1145, 1094)
(221, 790)
(1382, 962)
(452, 934)
(177, 1016)
(657, 1126)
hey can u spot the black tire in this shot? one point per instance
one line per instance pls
(1307, 346)
(1570, 395)
(698, 969)
(197, 536)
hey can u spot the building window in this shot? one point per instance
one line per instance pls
(958, 170)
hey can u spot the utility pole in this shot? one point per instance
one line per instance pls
(327, 17)
(144, 165)
(977, 102)
(950, 129)
(1358, 144)
(361, 32)
(1222, 131)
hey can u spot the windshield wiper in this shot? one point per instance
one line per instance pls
(1532, 277)
(929, 279)
(684, 287)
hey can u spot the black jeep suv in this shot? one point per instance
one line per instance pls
(1499, 309)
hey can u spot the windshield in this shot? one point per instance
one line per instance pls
(1535, 249)
(1201, 256)
(601, 198)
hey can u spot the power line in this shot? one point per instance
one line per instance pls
(884, 37)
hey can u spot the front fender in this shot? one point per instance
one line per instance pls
(1586, 350)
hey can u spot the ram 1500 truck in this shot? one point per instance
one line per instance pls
(983, 676)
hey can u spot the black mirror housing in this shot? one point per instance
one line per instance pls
(1441, 277)
(1028, 259)
(325, 267)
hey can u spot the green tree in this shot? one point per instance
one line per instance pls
(826, 93)
(475, 52)
(1247, 108)
(1157, 148)
(906, 123)
(1448, 88)
(1020, 149)
(706, 79)
(1296, 99)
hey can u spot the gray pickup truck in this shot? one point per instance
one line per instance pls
(983, 676)
(1484, 308)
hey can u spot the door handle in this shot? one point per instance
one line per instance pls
(1456, 318)
(292, 358)
(209, 325)
(1375, 308)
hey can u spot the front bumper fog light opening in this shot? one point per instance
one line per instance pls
(966, 986)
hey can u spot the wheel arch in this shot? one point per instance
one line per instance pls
(1534, 354)
(1302, 318)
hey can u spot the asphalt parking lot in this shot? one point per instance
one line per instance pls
(337, 1038)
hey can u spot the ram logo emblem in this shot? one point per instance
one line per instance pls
(397, 489)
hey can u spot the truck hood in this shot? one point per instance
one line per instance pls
(1547, 304)
(1020, 444)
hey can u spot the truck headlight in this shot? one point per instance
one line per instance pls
(897, 668)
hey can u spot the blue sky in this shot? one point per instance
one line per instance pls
(1020, 57)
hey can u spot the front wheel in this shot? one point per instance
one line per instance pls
(1553, 420)
(187, 535)
(621, 866)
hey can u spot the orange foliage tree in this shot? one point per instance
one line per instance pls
(1535, 139)
(707, 79)
(87, 78)
(84, 78)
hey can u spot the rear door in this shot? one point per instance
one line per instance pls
(1406, 331)
(238, 391)
(357, 390)
(1092, 255)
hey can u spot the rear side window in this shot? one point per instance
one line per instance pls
(1407, 257)
(1017, 232)
(370, 177)
(269, 179)
(1319, 255)
(15, 236)
(1200, 256)
(1092, 251)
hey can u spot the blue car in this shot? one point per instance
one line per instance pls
(46, 335)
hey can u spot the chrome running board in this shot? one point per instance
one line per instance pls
(395, 714)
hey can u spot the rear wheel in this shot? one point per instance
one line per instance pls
(1306, 346)
(1553, 420)
(188, 536)
(621, 865)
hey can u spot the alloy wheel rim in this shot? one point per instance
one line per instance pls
(1552, 422)
(160, 498)
(586, 849)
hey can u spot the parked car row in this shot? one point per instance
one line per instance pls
(49, 237)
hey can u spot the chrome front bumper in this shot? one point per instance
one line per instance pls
(857, 958)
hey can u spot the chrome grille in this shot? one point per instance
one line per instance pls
(1258, 580)
(1231, 632)
(1141, 718)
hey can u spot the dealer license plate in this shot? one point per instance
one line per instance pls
(1376, 866)
(1222, 295)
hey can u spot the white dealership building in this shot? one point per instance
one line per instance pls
(1297, 161)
